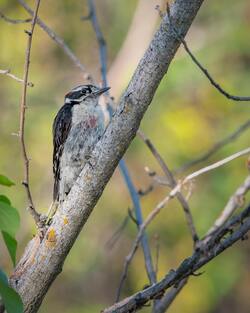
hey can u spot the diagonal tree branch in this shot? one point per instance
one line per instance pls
(236, 229)
(43, 261)
(235, 201)
(173, 193)
(169, 298)
(172, 182)
(162, 305)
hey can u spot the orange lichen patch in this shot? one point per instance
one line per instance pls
(88, 177)
(126, 109)
(65, 220)
(51, 238)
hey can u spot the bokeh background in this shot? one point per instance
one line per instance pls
(187, 116)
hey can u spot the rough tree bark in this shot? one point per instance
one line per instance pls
(43, 261)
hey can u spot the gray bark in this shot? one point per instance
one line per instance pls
(43, 261)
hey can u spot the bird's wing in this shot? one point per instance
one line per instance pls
(61, 128)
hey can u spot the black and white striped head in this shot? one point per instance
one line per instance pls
(83, 93)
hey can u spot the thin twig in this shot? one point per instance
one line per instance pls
(7, 73)
(172, 183)
(122, 165)
(117, 234)
(201, 67)
(235, 201)
(146, 191)
(220, 144)
(23, 107)
(170, 196)
(157, 253)
(216, 164)
(101, 42)
(144, 241)
(158, 180)
(14, 21)
(59, 41)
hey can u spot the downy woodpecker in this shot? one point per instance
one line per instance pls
(77, 127)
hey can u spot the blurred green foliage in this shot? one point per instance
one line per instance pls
(186, 118)
(9, 224)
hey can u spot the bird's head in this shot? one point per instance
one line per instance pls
(84, 94)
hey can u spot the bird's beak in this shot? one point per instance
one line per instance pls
(101, 91)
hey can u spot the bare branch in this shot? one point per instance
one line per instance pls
(240, 224)
(157, 252)
(7, 73)
(172, 183)
(235, 201)
(201, 67)
(220, 144)
(144, 240)
(14, 21)
(23, 107)
(216, 164)
(59, 41)
(167, 299)
(170, 196)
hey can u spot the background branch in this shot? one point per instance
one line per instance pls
(201, 67)
(189, 266)
(101, 42)
(173, 193)
(220, 144)
(59, 41)
(235, 201)
(23, 106)
(8, 73)
(172, 183)
(14, 21)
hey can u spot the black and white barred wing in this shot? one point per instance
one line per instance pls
(61, 128)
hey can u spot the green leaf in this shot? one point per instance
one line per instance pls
(5, 181)
(11, 299)
(3, 198)
(11, 245)
(9, 219)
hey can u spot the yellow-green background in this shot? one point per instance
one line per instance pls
(186, 117)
